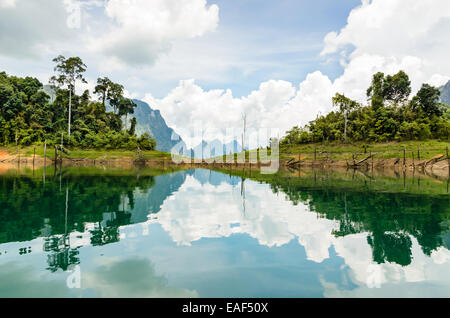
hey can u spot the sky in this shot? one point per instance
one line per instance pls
(207, 62)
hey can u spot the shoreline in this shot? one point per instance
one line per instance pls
(438, 165)
(439, 169)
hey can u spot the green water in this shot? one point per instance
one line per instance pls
(99, 232)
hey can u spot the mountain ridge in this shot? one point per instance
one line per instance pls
(445, 93)
(152, 122)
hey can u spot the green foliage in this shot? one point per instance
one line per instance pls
(69, 70)
(428, 100)
(102, 89)
(27, 116)
(397, 88)
(115, 95)
(390, 116)
(345, 104)
(445, 109)
(126, 106)
(132, 130)
(146, 142)
(297, 136)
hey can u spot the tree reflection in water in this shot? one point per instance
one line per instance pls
(35, 207)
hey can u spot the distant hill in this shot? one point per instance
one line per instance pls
(50, 92)
(445, 93)
(215, 148)
(150, 121)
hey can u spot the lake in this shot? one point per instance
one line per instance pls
(105, 232)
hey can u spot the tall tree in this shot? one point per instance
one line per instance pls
(132, 130)
(126, 106)
(427, 99)
(346, 105)
(115, 95)
(68, 72)
(393, 88)
(397, 88)
(102, 88)
(375, 92)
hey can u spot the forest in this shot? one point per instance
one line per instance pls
(29, 115)
(388, 116)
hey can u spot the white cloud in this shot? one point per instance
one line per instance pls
(313, 97)
(395, 34)
(393, 27)
(32, 28)
(121, 33)
(271, 106)
(7, 3)
(276, 105)
(386, 36)
(142, 30)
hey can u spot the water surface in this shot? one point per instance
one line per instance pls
(200, 233)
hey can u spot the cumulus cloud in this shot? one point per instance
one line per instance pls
(142, 30)
(385, 36)
(275, 105)
(392, 27)
(398, 34)
(7, 3)
(124, 32)
(32, 28)
(380, 36)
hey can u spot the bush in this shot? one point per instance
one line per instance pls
(442, 130)
(146, 142)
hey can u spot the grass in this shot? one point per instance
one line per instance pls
(428, 149)
(338, 151)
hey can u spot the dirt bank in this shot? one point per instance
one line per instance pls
(439, 167)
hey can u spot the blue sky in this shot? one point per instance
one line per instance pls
(281, 39)
(287, 36)
(280, 62)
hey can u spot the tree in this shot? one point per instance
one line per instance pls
(394, 88)
(11, 103)
(146, 142)
(6, 92)
(345, 105)
(397, 88)
(115, 95)
(126, 106)
(375, 92)
(427, 99)
(28, 86)
(69, 71)
(102, 88)
(132, 130)
(27, 116)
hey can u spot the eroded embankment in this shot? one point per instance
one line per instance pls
(439, 166)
